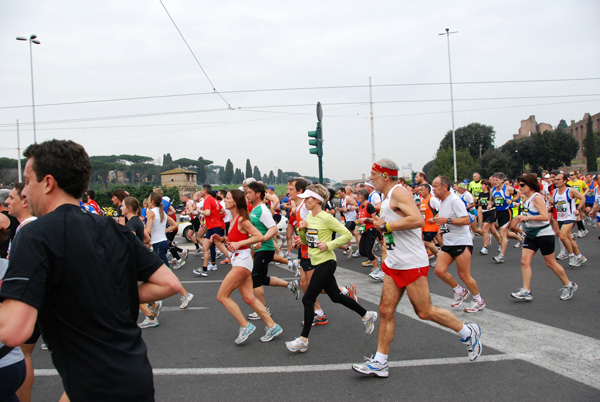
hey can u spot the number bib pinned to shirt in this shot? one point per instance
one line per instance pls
(312, 237)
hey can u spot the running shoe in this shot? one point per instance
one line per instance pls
(356, 254)
(271, 333)
(297, 345)
(288, 255)
(225, 261)
(473, 343)
(369, 321)
(349, 252)
(244, 333)
(366, 263)
(295, 288)
(377, 246)
(432, 263)
(352, 292)
(148, 323)
(320, 320)
(199, 272)
(155, 308)
(219, 254)
(562, 256)
(43, 346)
(294, 266)
(523, 294)
(567, 291)
(582, 233)
(178, 264)
(483, 251)
(499, 258)
(198, 251)
(372, 366)
(212, 267)
(520, 243)
(254, 316)
(185, 300)
(574, 262)
(475, 306)
(185, 254)
(374, 273)
(581, 260)
(459, 298)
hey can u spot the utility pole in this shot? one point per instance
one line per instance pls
(447, 33)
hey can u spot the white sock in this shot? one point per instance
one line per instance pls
(344, 291)
(571, 254)
(319, 313)
(464, 333)
(477, 298)
(579, 255)
(381, 358)
(458, 289)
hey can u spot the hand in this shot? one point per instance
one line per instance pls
(321, 245)
(440, 220)
(234, 246)
(378, 221)
(302, 224)
(297, 242)
(216, 238)
(362, 220)
(257, 245)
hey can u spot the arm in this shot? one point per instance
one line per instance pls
(150, 218)
(171, 210)
(172, 225)
(344, 234)
(401, 202)
(162, 284)
(17, 320)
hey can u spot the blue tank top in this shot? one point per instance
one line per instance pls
(500, 199)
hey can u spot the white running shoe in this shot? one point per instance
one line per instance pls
(581, 260)
(372, 366)
(244, 333)
(297, 345)
(349, 252)
(562, 256)
(185, 300)
(473, 343)
(574, 262)
(475, 306)
(148, 323)
(459, 298)
(271, 333)
(155, 308)
(211, 267)
(483, 250)
(567, 291)
(356, 254)
(522, 294)
(369, 321)
(199, 272)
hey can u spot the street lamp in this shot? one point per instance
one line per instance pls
(447, 33)
(31, 39)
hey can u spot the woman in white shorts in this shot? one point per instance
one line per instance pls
(239, 277)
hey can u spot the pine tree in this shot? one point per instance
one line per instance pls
(589, 146)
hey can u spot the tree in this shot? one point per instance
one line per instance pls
(256, 173)
(429, 169)
(492, 161)
(271, 177)
(476, 138)
(201, 174)
(444, 163)
(228, 177)
(589, 144)
(238, 176)
(248, 168)
(168, 162)
(280, 178)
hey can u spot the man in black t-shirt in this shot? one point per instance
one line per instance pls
(78, 273)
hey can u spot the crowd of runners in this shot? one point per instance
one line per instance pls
(400, 230)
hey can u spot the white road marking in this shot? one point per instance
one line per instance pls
(312, 367)
(566, 353)
(182, 309)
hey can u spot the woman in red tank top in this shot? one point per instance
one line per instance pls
(242, 234)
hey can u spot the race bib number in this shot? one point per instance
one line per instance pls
(499, 201)
(312, 238)
(361, 229)
(444, 228)
(561, 206)
(389, 241)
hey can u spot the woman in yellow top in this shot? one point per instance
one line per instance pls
(316, 232)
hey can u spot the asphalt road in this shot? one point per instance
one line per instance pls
(544, 350)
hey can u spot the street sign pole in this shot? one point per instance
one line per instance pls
(320, 154)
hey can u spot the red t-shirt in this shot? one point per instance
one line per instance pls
(213, 220)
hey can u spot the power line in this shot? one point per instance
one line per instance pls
(296, 89)
(194, 55)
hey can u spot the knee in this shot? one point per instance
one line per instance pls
(464, 276)
(439, 272)
(386, 311)
(249, 299)
(221, 298)
(424, 313)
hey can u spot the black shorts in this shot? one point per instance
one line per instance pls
(588, 205)
(260, 268)
(428, 236)
(277, 218)
(306, 265)
(489, 216)
(561, 223)
(350, 226)
(503, 218)
(455, 251)
(544, 243)
(195, 224)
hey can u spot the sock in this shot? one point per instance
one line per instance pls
(344, 291)
(580, 225)
(381, 358)
(571, 254)
(464, 333)
(477, 298)
(580, 255)
(289, 286)
(197, 246)
(458, 289)
(319, 313)
(204, 268)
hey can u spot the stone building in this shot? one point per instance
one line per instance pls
(183, 179)
(579, 130)
(530, 126)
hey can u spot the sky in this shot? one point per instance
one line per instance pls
(118, 78)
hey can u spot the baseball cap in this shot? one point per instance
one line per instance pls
(271, 188)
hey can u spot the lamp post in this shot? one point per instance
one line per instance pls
(31, 39)
(447, 33)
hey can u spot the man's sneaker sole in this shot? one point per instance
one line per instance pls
(383, 373)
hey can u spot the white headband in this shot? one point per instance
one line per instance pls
(310, 193)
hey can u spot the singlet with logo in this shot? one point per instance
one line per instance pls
(501, 199)
(475, 188)
(262, 219)
(405, 247)
(529, 209)
(565, 206)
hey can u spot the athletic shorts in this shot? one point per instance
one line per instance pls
(306, 265)
(455, 251)
(350, 226)
(195, 224)
(261, 267)
(544, 243)
(597, 218)
(242, 258)
(404, 277)
(503, 218)
(588, 205)
(561, 223)
(428, 236)
(489, 217)
(277, 218)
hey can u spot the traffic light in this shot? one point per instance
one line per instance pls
(316, 140)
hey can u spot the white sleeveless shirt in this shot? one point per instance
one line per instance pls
(158, 228)
(529, 209)
(405, 247)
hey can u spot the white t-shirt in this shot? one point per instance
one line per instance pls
(454, 235)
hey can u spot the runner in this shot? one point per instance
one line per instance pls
(502, 196)
(475, 188)
(454, 221)
(366, 229)
(563, 200)
(576, 183)
(486, 204)
(406, 268)
(242, 234)
(538, 235)
(315, 232)
(348, 206)
(429, 208)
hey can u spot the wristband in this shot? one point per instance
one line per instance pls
(385, 228)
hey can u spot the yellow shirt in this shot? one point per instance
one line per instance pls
(578, 185)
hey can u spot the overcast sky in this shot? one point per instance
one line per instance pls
(272, 61)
